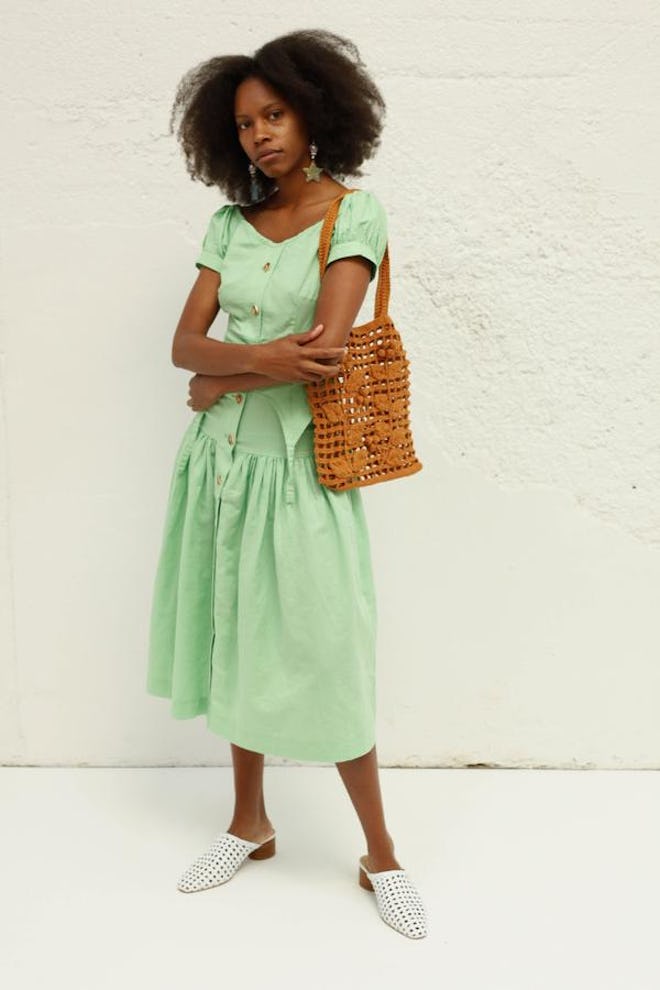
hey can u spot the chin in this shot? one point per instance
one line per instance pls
(271, 166)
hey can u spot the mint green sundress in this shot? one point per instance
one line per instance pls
(263, 614)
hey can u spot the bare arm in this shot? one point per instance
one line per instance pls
(239, 383)
(344, 286)
(281, 360)
(191, 348)
(343, 289)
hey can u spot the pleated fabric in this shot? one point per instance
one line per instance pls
(264, 611)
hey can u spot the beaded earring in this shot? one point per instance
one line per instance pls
(312, 172)
(255, 191)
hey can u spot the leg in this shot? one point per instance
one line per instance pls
(360, 777)
(218, 864)
(250, 820)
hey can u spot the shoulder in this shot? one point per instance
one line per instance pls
(217, 237)
(222, 220)
(223, 213)
(366, 196)
(360, 228)
(363, 204)
(361, 209)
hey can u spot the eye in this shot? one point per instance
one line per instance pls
(276, 113)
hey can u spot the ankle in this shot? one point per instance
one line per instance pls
(246, 821)
(381, 847)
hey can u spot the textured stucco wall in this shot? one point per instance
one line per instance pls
(518, 574)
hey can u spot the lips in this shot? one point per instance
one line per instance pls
(268, 155)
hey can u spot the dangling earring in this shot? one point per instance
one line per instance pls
(312, 172)
(255, 191)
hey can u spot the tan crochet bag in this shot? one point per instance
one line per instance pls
(362, 415)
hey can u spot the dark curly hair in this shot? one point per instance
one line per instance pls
(320, 74)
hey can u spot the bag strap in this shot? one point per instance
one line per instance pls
(382, 299)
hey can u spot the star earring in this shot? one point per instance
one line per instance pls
(312, 172)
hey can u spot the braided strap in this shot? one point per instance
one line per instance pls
(361, 416)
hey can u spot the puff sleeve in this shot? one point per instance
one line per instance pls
(360, 228)
(216, 239)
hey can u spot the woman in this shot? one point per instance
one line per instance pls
(264, 608)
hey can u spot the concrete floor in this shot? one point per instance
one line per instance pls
(531, 880)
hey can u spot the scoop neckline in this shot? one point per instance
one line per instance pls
(269, 239)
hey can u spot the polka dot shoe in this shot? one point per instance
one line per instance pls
(222, 859)
(398, 901)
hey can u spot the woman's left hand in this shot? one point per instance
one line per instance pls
(204, 391)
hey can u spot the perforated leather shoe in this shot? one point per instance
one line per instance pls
(222, 859)
(397, 898)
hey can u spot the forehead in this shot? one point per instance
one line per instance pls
(254, 95)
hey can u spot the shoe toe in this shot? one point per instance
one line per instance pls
(399, 903)
(218, 864)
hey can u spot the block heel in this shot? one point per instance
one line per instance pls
(265, 851)
(364, 880)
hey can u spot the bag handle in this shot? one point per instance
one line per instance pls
(382, 299)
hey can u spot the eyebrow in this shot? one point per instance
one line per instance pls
(271, 104)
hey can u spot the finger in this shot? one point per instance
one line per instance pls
(310, 334)
(326, 352)
(325, 370)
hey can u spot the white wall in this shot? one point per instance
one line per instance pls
(518, 573)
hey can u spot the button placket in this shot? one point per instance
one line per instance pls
(256, 307)
(225, 450)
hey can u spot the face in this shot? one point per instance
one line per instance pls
(266, 122)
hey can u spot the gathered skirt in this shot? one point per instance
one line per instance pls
(263, 613)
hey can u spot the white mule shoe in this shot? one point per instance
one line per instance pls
(397, 898)
(222, 859)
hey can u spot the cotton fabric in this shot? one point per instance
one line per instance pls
(264, 612)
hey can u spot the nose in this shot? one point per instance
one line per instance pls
(260, 135)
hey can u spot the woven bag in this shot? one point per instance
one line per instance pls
(362, 415)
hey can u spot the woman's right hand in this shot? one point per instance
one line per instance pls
(287, 360)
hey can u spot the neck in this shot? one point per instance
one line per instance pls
(293, 189)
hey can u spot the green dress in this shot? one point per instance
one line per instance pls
(263, 613)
